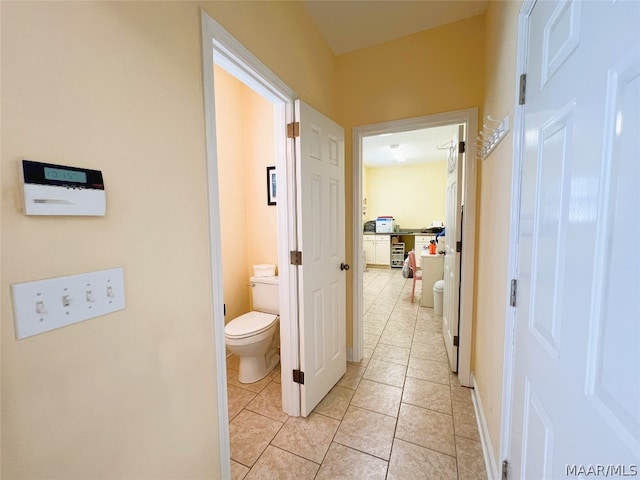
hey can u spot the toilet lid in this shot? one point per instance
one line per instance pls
(249, 324)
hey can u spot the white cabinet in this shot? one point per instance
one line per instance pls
(422, 241)
(432, 271)
(377, 249)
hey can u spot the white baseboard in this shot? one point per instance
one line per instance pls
(349, 354)
(493, 472)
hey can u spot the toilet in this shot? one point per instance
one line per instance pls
(254, 336)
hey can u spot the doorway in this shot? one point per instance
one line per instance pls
(468, 118)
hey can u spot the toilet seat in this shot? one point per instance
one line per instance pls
(249, 324)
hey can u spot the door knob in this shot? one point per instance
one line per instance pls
(344, 266)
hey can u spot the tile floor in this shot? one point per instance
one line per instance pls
(399, 414)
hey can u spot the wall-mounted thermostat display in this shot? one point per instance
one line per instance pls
(60, 190)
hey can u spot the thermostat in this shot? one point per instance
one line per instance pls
(61, 190)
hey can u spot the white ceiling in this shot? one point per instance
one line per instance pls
(349, 25)
(419, 146)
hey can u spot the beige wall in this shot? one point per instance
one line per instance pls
(118, 86)
(246, 146)
(413, 194)
(493, 219)
(434, 71)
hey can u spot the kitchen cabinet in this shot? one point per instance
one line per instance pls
(422, 241)
(377, 249)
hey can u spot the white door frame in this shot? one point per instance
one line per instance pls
(469, 117)
(512, 270)
(220, 48)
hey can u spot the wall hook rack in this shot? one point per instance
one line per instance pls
(490, 137)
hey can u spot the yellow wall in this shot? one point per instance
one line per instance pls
(434, 71)
(118, 86)
(493, 216)
(245, 131)
(413, 194)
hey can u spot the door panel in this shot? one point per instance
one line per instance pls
(576, 388)
(453, 234)
(320, 170)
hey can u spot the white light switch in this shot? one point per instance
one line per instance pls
(44, 305)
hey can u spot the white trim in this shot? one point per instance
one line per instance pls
(514, 222)
(493, 470)
(219, 47)
(469, 117)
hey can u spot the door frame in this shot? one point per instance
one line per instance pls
(221, 48)
(469, 117)
(514, 231)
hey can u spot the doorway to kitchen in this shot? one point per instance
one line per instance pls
(403, 129)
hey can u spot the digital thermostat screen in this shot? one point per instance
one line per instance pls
(64, 175)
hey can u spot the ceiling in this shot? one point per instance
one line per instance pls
(418, 146)
(349, 25)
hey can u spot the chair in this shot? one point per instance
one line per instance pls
(417, 274)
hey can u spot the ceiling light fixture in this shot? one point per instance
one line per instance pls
(397, 153)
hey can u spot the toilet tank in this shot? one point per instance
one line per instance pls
(264, 294)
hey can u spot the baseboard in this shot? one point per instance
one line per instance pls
(485, 439)
(349, 354)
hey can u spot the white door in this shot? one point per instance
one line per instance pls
(453, 234)
(576, 381)
(322, 281)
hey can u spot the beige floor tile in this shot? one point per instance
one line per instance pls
(249, 435)
(372, 317)
(471, 464)
(238, 471)
(429, 429)
(352, 377)
(464, 421)
(399, 327)
(308, 437)
(370, 341)
(335, 403)
(385, 372)
(367, 431)
(238, 398)
(279, 464)
(344, 463)
(255, 387)
(391, 353)
(233, 362)
(371, 328)
(430, 370)
(412, 462)
(422, 393)
(397, 338)
(429, 351)
(269, 403)
(378, 397)
(381, 306)
(460, 394)
(231, 374)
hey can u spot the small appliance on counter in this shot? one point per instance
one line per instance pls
(385, 225)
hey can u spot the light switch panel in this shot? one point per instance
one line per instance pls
(44, 305)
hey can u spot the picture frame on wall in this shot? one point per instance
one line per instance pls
(271, 186)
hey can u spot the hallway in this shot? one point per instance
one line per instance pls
(398, 414)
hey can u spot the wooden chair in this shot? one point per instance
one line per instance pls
(417, 274)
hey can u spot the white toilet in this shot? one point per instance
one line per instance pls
(254, 336)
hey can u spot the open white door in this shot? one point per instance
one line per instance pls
(575, 406)
(322, 275)
(453, 235)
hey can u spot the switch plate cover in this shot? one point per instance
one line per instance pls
(45, 305)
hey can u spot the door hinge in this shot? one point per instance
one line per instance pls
(296, 257)
(458, 247)
(523, 89)
(461, 147)
(514, 292)
(298, 377)
(456, 341)
(293, 130)
(504, 470)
